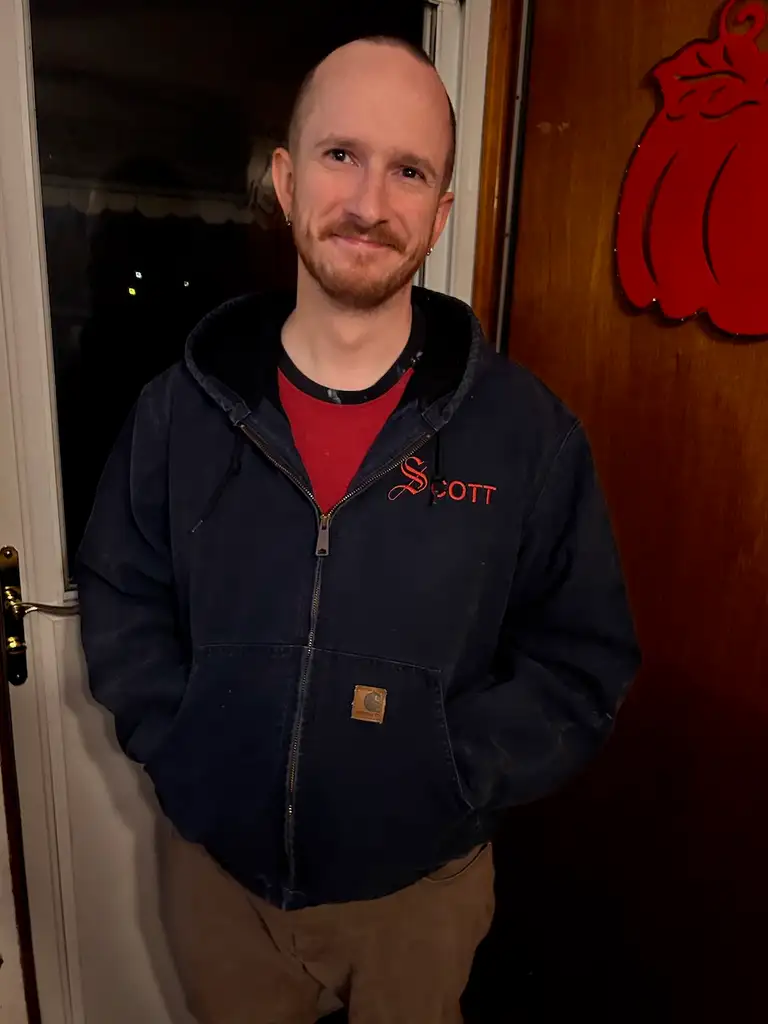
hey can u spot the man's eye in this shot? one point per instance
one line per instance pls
(339, 155)
(413, 173)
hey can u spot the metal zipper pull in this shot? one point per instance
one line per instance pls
(323, 537)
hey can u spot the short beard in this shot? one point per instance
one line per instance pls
(356, 293)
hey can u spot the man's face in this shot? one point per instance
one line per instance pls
(366, 177)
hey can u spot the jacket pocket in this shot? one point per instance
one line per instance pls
(377, 792)
(220, 773)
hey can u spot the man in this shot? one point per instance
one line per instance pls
(350, 591)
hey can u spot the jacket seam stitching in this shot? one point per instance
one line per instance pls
(380, 660)
(548, 475)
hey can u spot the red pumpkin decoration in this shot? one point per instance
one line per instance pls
(692, 229)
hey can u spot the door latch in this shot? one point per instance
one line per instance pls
(14, 610)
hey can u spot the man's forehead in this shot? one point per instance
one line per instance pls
(383, 94)
(364, 59)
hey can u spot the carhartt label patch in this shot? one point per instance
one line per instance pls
(369, 704)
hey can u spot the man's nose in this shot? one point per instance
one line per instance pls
(370, 202)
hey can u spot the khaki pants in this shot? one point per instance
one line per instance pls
(402, 959)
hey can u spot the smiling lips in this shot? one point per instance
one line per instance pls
(359, 244)
(377, 238)
(368, 243)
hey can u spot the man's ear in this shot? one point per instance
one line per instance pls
(282, 179)
(441, 217)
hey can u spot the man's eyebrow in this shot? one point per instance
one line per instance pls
(406, 159)
(338, 142)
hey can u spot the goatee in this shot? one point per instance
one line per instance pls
(352, 287)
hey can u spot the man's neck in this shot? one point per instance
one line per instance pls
(344, 349)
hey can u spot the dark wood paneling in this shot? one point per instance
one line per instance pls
(501, 80)
(642, 893)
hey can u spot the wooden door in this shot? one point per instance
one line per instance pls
(641, 893)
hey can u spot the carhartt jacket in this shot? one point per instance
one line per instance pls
(335, 705)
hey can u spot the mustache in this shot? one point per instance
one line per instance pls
(379, 233)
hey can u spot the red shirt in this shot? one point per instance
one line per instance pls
(332, 438)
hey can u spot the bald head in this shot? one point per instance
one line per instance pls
(379, 62)
(364, 182)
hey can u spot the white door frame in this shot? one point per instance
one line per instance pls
(12, 1001)
(31, 520)
(460, 31)
(31, 516)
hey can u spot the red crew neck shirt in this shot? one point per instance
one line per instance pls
(332, 438)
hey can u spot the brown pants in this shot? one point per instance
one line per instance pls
(402, 959)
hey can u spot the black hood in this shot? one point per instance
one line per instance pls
(233, 352)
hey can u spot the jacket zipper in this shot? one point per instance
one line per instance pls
(322, 550)
(323, 539)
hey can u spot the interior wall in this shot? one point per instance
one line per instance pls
(640, 893)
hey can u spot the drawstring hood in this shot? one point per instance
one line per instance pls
(232, 470)
(235, 352)
(438, 477)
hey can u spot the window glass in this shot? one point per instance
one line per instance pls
(156, 120)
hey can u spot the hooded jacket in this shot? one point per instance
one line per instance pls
(336, 705)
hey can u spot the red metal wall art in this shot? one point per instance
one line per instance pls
(692, 227)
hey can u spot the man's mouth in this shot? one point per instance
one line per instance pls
(362, 243)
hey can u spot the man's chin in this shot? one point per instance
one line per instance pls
(356, 297)
(360, 286)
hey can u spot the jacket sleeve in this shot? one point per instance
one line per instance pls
(136, 662)
(567, 651)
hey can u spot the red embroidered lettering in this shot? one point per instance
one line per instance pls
(419, 481)
(414, 470)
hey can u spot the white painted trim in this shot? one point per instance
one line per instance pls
(12, 1001)
(461, 38)
(33, 523)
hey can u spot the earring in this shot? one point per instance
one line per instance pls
(288, 220)
(429, 252)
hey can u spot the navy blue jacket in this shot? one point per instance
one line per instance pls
(468, 578)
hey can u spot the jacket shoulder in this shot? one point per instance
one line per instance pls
(522, 403)
(169, 391)
(161, 390)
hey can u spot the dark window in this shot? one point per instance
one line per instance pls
(156, 120)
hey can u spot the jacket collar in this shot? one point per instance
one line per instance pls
(233, 354)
